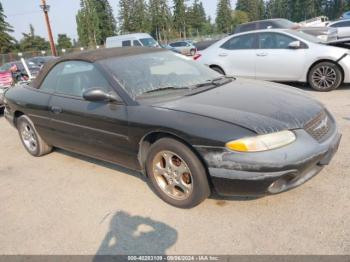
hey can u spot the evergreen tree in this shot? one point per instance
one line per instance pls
(224, 21)
(161, 19)
(6, 41)
(95, 22)
(180, 17)
(254, 8)
(64, 41)
(32, 42)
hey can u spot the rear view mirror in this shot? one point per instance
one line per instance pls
(99, 95)
(294, 45)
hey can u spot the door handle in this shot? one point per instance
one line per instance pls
(262, 54)
(56, 110)
(223, 55)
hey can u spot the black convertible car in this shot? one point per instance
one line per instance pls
(190, 130)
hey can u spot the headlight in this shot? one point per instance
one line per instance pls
(263, 142)
(323, 37)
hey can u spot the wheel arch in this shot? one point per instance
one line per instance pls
(150, 138)
(217, 66)
(328, 61)
(16, 115)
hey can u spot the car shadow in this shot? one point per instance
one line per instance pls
(131, 235)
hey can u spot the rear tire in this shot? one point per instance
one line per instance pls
(325, 77)
(176, 174)
(218, 69)
(30, 138)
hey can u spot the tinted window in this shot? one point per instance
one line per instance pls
(241, 42)
(177, 44)
(75, 77)
(246, 27)
(137, 43)
(274, 41)
(126, 43)
(342, 24)
(267, 25)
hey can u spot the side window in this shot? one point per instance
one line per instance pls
(247, 27)
(266, 25)
(126, 43)
(50, 82)
(75, 77)
(241, 42)
(137, 43)
(274, 41)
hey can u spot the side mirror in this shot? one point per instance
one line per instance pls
(99, 95)
(295, 45)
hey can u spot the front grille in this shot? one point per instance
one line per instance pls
(319, 127)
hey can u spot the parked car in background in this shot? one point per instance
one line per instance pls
(183, 47)
(280, 55)
(189, 130)
(6, 81)
(323, 33)
(343, 27)
(137, 39)
(320, 21)
(346, 15)
(18, 71)
(41, 60)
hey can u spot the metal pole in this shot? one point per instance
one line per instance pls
(46, 9)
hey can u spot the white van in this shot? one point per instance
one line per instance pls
(138, 39)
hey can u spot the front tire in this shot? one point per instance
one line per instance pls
(325, 77)
(176, 174)
(30, 138)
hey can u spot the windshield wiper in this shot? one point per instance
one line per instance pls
(215, 82)
(165, 88)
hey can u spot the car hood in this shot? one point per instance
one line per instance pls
(262, 107)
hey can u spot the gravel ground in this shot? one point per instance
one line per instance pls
(67, 204)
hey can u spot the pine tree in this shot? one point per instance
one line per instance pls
(224, 20)
(161, 19)
(32, 42)
(6, 41)
(63, 41)
(254, 8)
(180, 17)
(95, 22)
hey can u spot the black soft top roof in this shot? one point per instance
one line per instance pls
(94, 56)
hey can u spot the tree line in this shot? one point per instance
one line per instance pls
(166, 20)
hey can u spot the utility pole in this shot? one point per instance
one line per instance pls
(46, 9)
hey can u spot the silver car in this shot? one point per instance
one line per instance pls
(183, 47)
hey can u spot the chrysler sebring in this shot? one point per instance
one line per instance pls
(188, 129)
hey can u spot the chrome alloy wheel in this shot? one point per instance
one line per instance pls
(324, 77)
(172, 175)
(28, 137)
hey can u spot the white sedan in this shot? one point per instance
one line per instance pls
(280, 55)
(343, 27)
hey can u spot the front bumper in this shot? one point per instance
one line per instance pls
(271, 172)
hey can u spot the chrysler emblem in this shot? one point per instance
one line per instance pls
(322, 125)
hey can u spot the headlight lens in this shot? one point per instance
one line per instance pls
(263, 142)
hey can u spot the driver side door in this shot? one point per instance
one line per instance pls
(97, 129)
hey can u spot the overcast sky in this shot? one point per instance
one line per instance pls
(62, 15)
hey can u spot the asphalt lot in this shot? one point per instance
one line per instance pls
(67, 204)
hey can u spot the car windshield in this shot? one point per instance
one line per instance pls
(305, 36)
(150, 42)
(158, 74)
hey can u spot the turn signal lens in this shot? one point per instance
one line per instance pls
(263, 142)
